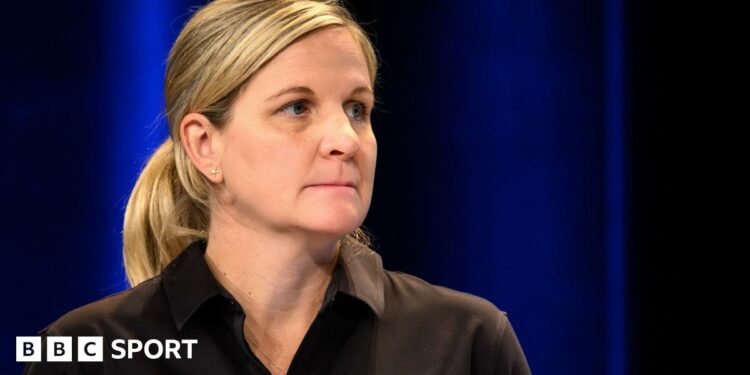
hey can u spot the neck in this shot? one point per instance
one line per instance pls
(279, 279)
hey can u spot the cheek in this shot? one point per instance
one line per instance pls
(367, 163)
(264, 166)
(369, 150)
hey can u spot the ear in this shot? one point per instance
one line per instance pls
(199, 139)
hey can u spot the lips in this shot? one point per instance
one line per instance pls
(335, 183)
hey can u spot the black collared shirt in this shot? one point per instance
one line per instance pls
(372, 321)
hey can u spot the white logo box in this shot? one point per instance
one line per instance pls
(91, 348)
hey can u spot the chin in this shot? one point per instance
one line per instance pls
(336, 223)
(336, 228)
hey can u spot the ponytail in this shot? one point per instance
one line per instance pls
(160, 219)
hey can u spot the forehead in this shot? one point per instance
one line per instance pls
(322, 55)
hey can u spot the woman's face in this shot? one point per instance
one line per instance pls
(301, 123)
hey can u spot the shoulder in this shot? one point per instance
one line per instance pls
(435, 314)
(412, 295)
(120, 310)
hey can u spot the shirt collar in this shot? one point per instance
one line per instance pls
(362, 275)
(189, 283)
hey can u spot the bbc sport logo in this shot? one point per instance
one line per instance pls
(91, 348)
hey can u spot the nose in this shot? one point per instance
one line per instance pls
(340, 139)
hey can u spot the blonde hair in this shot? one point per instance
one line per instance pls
(216, 53)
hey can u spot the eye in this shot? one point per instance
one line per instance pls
(358, 111)
(295, 109)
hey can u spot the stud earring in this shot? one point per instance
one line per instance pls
(213, 171)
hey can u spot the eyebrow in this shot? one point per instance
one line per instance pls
(309, 91)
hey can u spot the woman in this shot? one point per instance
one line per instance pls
(241, 236)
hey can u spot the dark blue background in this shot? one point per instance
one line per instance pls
(501, 162)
